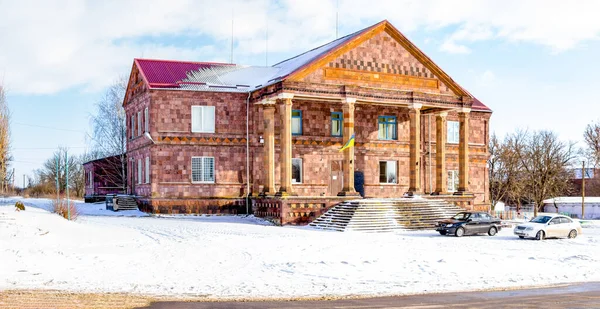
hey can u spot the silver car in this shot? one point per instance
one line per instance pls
(548, 226)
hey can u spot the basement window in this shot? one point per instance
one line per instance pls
(388, 172)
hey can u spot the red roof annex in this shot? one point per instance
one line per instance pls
(166, 73)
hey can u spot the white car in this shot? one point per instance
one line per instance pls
(546, 226)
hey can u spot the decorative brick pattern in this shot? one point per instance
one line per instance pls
(380, 54)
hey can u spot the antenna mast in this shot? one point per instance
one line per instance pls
(337, 9)
(231, 57)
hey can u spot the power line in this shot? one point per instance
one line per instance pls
(36, 148)
(45, 127)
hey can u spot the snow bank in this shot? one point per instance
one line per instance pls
(234, 257)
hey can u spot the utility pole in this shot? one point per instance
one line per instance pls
(67, 169)
(57, 188)
(582, 189)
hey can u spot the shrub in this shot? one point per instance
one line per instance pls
(19, 206)
(60, 208)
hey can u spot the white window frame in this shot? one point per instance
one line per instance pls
(139, 171)
(202, 165)
(453, 136)
(147, 170)
(146, 116)
(202, 111)
(294, 181)
(387, 163)
(90, 180)
(139, 123)
(453, 181)
(132, 126)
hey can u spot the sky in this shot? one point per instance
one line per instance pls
(533, 63)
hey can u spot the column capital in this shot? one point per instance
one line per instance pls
(464, 110)
(270, 102)
(285, 95)
(348, 100)
(415, 106)
(442, 114)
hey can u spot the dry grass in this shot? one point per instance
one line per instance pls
(19, 206)
(60, 208)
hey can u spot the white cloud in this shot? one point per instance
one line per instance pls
(452, 47)
(49, 46)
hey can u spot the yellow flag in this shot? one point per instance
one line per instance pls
(349, 143)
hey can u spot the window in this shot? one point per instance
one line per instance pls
(147, 169)
(203, 119)
(336, 124)
(132, 126)
(452, 181)
(296, 122)
(453, 132)
(146, 120)
(387, 172)
(139, 124)
(139, 170)
(90, 180)
(387, 127)
(296, 170)
(203, 169)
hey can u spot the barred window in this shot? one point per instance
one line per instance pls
(203, 169)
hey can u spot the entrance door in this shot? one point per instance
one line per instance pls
(336, 179)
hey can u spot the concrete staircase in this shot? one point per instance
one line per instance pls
(380, 215)
(124, 202)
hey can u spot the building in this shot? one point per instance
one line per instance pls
(572, 206)
(104, 176)
(208, 137)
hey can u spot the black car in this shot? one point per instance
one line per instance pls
(469, 223)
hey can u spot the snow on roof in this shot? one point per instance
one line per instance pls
(572, 200)
(166, 73)
(293, 64)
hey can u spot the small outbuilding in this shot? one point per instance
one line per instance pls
(571, 205)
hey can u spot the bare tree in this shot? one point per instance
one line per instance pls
(110, 133)
(5, 155)
(56, 167)
(591, 136)
(545, 163)
(506, 181)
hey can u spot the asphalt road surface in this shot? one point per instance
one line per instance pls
(584, 295)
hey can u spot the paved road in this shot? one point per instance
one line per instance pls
(586, 295)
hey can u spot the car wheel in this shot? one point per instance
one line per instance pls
(492, 231)
(521, 237)
(459, 232)
(572, 234)
(540, 235)
(442, 232)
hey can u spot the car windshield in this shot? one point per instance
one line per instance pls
(541, 219)
(461, 216)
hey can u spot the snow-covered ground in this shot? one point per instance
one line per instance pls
(237, 257)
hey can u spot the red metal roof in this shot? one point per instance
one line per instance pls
(166, 73)
(478, 106)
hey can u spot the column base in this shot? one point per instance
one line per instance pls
(284, 194)
(267, 194)
(348, 193)
(462, 193)
(411, 193)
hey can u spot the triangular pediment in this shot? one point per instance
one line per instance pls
(135, 84)
(382, 58)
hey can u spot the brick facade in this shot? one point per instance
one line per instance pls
(379, 76)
